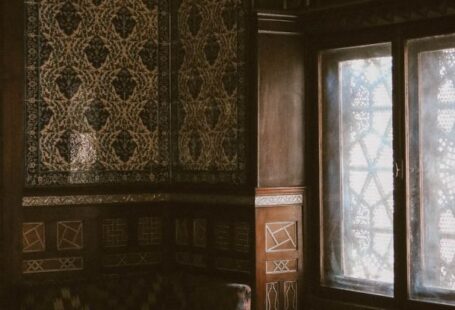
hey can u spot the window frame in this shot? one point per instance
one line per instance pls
(342, 55)
(397, 35)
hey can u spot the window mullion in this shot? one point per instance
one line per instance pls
(399, 151)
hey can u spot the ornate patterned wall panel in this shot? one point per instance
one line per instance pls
(208, 95)
(97, 89)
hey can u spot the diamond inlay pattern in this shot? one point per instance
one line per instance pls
(272, 301)
(290, 295)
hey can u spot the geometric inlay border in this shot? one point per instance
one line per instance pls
(275, 200)
(58, 201)
(52, 265)
(132, 259)
(281, 266)
(36, 201)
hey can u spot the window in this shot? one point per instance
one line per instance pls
(431, 106)
(359, 163)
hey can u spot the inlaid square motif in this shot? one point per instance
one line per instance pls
(33, 237)
(242, 237)
(70, 235)
(281, 236)
(149, 230)
(200, 233)
(222, 232)
(115, 233)
(182, 231)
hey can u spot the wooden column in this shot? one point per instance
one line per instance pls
(280, 163)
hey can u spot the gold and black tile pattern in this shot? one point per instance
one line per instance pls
(99, 87)
(208, 95)
(96, 92)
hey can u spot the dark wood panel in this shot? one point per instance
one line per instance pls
(281, 135)
(11, 99)
(279, 250)
(327, 3)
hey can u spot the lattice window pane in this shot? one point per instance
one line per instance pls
(357, 168)
(432, 163)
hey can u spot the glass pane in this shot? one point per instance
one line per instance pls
(432, 167)
(357, 168)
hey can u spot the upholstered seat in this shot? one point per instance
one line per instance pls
(153, 292)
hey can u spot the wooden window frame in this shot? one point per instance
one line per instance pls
(315, 293)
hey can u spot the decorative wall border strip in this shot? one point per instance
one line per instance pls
(35, 201)
(276, 200)
(258, 201)
(47, 201)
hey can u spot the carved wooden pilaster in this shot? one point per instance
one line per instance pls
(279, 248)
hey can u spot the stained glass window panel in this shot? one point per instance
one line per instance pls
(432, 163)
(357, 168)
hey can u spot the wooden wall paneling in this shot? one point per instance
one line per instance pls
(281, 5)
(329, 3)
(279, 248)
(12, 77)
(106, 238)
(131, 241)
(280, 102)
(224, 250)
(66, 235)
